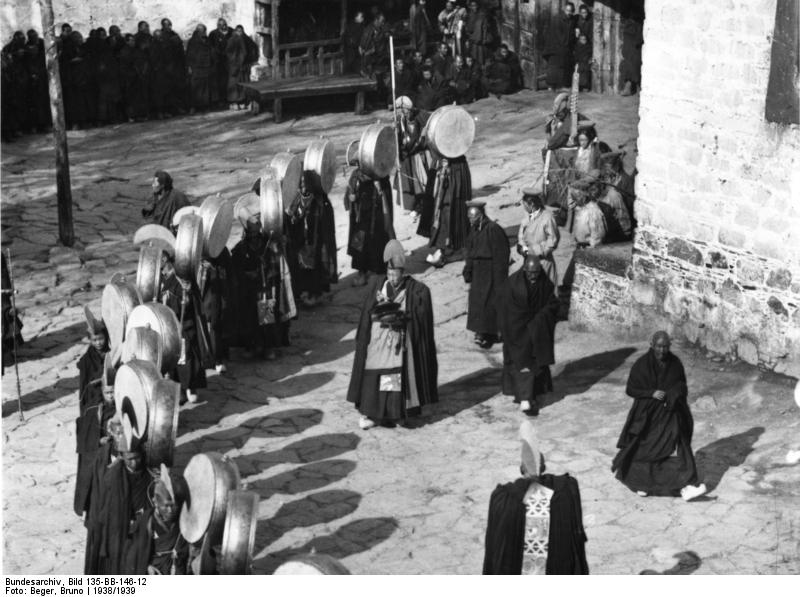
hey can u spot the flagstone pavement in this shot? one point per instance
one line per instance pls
(398, 501)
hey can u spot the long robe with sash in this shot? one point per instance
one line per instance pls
(505, 529)
(444, 215)
(655, 446)
(385, 385)
(311, 232)
(527, 315)
(486, 270)
(102, 459)
(154, 544)
(192, 373)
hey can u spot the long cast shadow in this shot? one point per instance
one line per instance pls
(317, 508)
(304, 451)
(304, 478)
(579, 376)
(714, 459)
(688, 563)
(461, 394)
(354, 537)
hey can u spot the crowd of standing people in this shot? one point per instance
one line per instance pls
(111, 77)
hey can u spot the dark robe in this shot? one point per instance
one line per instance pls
(444, 215)
(430, 95)
(405, 84)
(583, 58)
(95, 500)
(413, 164)
(124, 500)
(174, 65)
(236, 60)
(497, 77)
(200, 59)
(505, 529)
(478, 34)
(215, 291)
(107, 69)
(135, 73)
(312, 234)
(656, 429)
(191, 374)
(352, 40)
(90, 424)
(420, 336)
(486, 270)
(442, 64)
(467, 81)
(38, 102)
(527, 321)
(256, 272)
(371, 221)
(165, 204)
(558, 51)
(219, 84)
(154, 544)
(11, 323)
(160, 84)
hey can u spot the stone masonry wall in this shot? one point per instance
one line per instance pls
(84, 15)
(717, 252)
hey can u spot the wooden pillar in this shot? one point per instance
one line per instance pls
(277, 109)
(276, 56)
(66, 232)
(598, 47)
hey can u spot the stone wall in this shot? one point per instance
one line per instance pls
(84, 15)
(717, 252)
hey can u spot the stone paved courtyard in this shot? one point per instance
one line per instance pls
(399, 501)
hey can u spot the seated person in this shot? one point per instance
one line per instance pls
(610, 163)
(618, 218)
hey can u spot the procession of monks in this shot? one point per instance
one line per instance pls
(212, 288)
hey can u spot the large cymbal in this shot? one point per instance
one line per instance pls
(209, 477)
(133, 390)
(189, 246)
(239, 535)
(120, 297)
(217, 214)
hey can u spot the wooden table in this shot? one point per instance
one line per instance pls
(258, 92)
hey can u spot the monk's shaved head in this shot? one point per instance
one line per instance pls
(660, 336)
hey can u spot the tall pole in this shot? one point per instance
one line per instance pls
(396, 131)
(66, 232)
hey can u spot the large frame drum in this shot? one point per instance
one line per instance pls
(133, 394)
(450, 131)
(120, 297)
(377, 151)
(217, 215)
(209, 477)
(320, 164)
(162, 320)
(162, 424)
(239, 535)
(189, 247)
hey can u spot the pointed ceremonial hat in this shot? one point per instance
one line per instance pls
(394, 254)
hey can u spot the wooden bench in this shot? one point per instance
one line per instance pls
(258, 92)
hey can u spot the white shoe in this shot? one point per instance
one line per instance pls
(524, 405)
(793, 457)
(641, 493)
(191, 396)
(366, 423)
(221, 368)
(691, 492)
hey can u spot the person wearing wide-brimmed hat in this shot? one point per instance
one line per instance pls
(485, 270)
(535, 523)
(395, 367)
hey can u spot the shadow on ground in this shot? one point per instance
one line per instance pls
(579, 376)
(716, 458)
(688, 563)
(355, 537)
(461, 394)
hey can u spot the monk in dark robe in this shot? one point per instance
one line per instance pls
(444, 214)
(174, 68)
(312, 234)
(214, 287)
(655, 447)
(200, 63)
(182, 297)
(413, 157)
(527, 310)
(395, 367)
(263, 307)
(125, 486)
(166, 201)
(157, 546)
(236, 59)
(371, 223)
(107, 454)
(219, 40)
(485, 270)
(558, 43)
(535, 523)
(94, 410)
